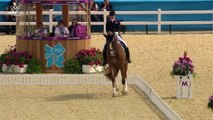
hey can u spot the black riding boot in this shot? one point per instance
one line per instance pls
(127, 55)
(126, 51)
(104, 56)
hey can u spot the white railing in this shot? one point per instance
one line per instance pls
(105, 13)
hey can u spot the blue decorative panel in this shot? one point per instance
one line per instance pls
(54, 55)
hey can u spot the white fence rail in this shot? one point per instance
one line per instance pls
(105, 13)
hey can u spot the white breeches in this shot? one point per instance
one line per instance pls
(121, 40)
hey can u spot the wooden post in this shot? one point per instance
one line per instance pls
(38, 19)
(65, 13)
(38, 13)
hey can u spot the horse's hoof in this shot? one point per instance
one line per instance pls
(117, 89)
(124, 92)
(114, 95)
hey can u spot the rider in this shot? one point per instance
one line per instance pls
(113, 25)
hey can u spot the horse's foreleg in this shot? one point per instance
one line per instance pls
(114, 92)
(125, 89)
(116, 82)
(116, 85)
(124, 82)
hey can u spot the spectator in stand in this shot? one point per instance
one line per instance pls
(61, 30)
(41, 31)
(77, 30)
(106, 5)
(93, 7)
(81, 7)
(73, 28)
(94, 18)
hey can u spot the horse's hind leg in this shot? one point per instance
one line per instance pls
(116, 82)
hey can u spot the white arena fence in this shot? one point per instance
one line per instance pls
(86, 79)
(105, 13)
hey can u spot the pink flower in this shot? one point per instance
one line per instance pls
(183, 66)
(12, 56)
(90, 56)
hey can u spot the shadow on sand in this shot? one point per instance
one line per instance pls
(172, 97)
(74, 97)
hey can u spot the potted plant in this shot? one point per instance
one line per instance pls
(210, 103)
(90, 60)
(183, 70)
(34, 66)
(13, 61)
(72, 66)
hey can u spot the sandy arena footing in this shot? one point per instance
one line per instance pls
(152, 58)
(76, 97)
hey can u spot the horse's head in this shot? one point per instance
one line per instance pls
(109, 36)
(111, 42)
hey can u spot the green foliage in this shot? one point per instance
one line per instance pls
(91, 60)
(34, 66)
(72, 66)
(3, 58)
(1, 69)
(210, 104)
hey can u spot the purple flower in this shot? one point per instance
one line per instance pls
(180, 59)
(184, 61)
(183, 66)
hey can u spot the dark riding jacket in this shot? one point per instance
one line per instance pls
(113, 26)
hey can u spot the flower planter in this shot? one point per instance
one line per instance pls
(8, 68)
(18, 69)
(184, 86)
(13, 69)
(92, 69)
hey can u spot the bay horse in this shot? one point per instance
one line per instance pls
(116, 59)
